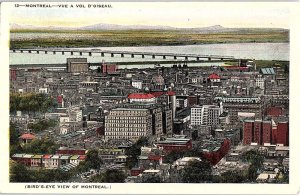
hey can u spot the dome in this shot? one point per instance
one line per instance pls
(158, 80)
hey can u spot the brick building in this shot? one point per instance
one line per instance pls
(109, 68)
(77, 65)
(175, 144)
(266, 132)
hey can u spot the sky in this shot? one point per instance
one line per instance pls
(193, 14)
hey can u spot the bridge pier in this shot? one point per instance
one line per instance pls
(80, 53)
(90, 53)
(153, 56)
(112, 55)
(72, 52)
(175, 58)
(102, 54)
(62, 53)
(132, 55)
(164, 57)
(143, 56)
(122, 55)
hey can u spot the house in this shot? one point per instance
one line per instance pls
(54, 161)
(46, 160)
(64, 159)
(74, 159)
(36, 161)
(27, 138)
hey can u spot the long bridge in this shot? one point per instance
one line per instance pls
(132, 54)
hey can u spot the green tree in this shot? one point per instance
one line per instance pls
(256, 161)
(152, 179)
(109, 176)
(197, 172)
(30, 102)
(14, 144)
(173, 156)
(93, 159)
(134, 151)
(18, 172)
(42, 125)
(233, 177)
(41, 146)
(13, 134)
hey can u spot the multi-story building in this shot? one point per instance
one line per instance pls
(137, 84)
(167, 121)
(205, 115)
(266, 132)
(128, 123)
(77, 65)
(260, 82)
(235, 105)
(175, 144)
(140, 117)
(181, 101)
(109, 68)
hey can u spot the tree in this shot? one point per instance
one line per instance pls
(14, 145)
(151, 179)
(173, 156)
(256, 161)
(134, 151)
(41, 146)
(41, 125)
(197, 172)
(93, 160)
(109, 176)
(233, 177)
(18, 172)
(13, 134)
(30, 102)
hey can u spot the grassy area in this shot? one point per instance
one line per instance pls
(29, 38)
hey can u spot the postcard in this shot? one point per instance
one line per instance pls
(149, 97)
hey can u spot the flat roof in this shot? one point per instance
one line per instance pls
(28, 155)
(37, 156)
(151, 171)
(65, 157)
(74, 157)
(18, 155)
(55, 157)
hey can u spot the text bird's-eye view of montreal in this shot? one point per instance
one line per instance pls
(148, 93)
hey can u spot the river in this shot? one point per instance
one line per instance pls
(257, 51)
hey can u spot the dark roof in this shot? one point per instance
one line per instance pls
(267, 71)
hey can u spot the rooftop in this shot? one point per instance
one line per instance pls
(140, 96)
(27, 136)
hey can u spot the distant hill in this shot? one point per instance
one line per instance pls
(103, 27)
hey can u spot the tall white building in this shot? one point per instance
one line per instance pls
(205, 115)
(260, 82)
(137, 84)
